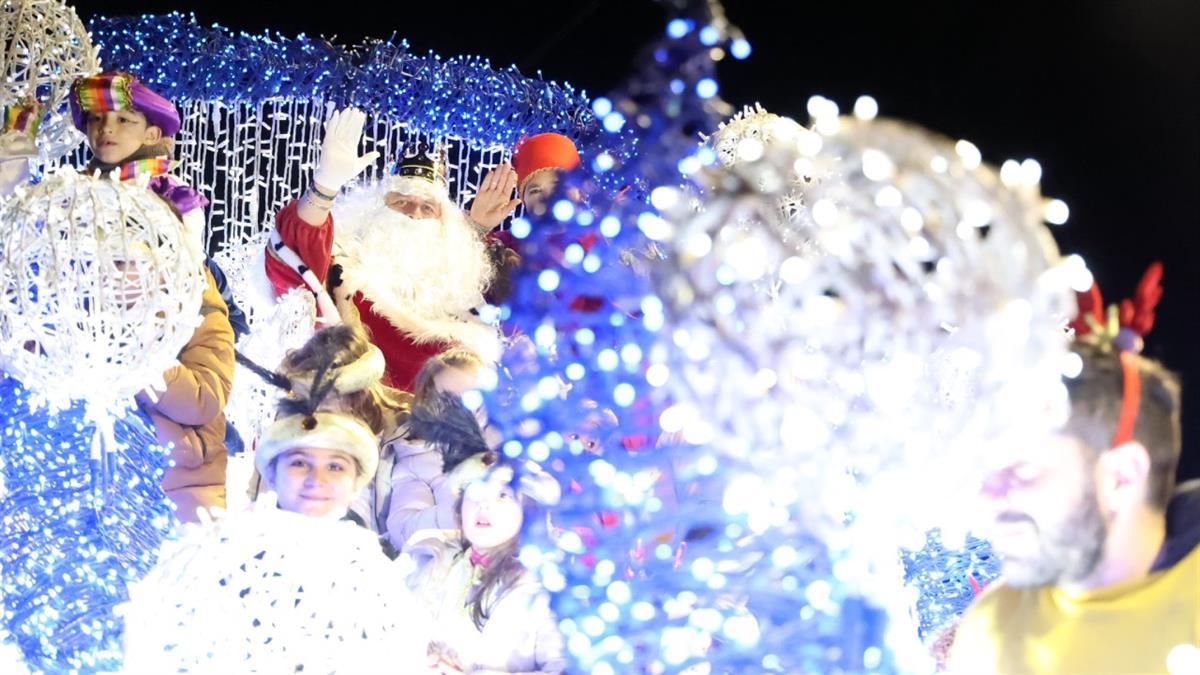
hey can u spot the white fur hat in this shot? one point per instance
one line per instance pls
(323, 430)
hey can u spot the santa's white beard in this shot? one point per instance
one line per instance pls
(433, 269)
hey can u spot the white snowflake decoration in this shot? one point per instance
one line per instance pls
(98, 292)
(269, 591)
(46, 47)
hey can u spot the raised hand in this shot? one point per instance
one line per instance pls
(340, 161)
(494, 202)
(443, 660)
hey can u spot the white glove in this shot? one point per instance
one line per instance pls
(340, 161)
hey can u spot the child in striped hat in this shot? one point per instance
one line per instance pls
(130, 130)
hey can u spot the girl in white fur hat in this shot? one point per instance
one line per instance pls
(315, 463)
(322, 450)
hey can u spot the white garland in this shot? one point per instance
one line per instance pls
(277, 326)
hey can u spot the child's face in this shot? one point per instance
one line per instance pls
(538, 189)
(315, 481)
(491, 514)
(114, 136)
(127, 289)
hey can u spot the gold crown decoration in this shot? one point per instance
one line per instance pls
(425, 161)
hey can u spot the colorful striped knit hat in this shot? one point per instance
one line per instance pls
(115, 91)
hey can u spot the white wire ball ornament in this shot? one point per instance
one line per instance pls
(743, 140)
(269, 591)
(46, 47)
(865, 373)
(98, 291)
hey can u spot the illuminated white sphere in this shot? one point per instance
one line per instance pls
(46, 47)
(909, 309)
(98, 292)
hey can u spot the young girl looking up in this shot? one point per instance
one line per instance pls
(491, 615)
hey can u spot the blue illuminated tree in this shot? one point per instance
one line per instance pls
(74, 531)
(650, 571)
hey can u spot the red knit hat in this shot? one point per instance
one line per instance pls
(543, 151)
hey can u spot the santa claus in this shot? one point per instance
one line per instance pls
(403, 260)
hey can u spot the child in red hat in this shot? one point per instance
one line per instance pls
(536, 165)
(534, 173)
(539, 161)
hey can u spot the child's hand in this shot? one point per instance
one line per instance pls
(443, 660)
(267, 502)
(494, 202)
(340, 161)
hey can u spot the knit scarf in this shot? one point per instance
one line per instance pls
(149, 161)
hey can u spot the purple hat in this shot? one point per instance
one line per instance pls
(114, 91)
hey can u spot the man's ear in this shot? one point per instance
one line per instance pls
(153, 135)
(1124, 475)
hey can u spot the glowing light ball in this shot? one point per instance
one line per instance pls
(45, 48)
(270, 591)
(859, 310)
(98, 292)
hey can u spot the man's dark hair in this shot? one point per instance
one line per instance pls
(1096, 396)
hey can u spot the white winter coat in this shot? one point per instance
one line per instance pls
(521, 634)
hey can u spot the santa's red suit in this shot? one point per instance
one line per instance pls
(412, 283)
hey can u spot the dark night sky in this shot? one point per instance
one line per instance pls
(1105, 94)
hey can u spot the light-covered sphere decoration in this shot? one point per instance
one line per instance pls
(46, 47)
(98, 292)
(744, 139)
(268, 591)
(860, 358)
